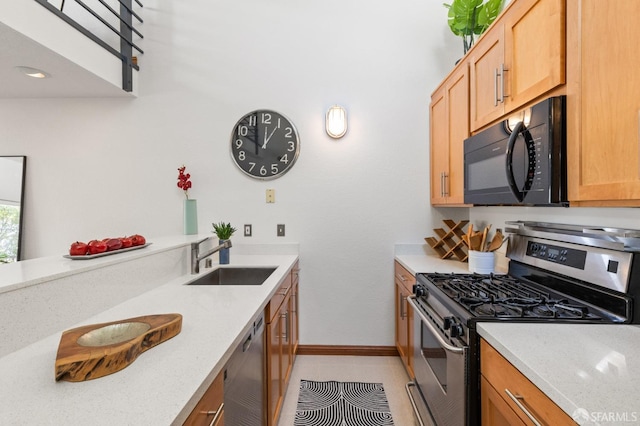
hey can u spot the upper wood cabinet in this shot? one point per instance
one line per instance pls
(603, 103)
(520, 58)
(449, 127)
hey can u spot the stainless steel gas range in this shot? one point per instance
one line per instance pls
(557, 273)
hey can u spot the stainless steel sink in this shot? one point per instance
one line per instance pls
(235, 276)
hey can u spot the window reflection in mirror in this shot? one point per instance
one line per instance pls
(12, 172)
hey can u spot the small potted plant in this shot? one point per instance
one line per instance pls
(224, 231)
(470, 18)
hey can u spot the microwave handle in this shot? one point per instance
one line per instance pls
(520, 128)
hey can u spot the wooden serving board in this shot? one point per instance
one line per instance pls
(76, 362)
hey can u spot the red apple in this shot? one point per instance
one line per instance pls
(78, 249)
(96, 247)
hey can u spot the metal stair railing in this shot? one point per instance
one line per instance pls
(95, 23)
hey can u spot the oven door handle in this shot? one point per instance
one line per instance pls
(426, 321)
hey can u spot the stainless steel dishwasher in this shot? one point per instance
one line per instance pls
(244, 380)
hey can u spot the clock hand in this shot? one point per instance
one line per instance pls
(255, 140)
(267, 138)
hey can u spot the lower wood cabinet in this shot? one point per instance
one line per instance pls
(404, 282)
(210, 409)
(509, 398)
(281, 342)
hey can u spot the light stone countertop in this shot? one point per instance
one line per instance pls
(421, 258)
(162, 386)
(591, 371)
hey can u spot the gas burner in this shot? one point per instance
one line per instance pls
(543, 311)
(520, 302)
(565, 310)
(497, 310)
(471, 302)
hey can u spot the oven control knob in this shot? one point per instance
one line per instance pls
(447, 322)
(419, 291)
(456, 331)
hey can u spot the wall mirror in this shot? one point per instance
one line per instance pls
(12, 173)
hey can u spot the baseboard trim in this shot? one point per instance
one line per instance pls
(347, 350)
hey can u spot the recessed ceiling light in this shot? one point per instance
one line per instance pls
(33, 72)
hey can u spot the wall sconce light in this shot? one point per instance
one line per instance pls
(336, 121)
(33, 72)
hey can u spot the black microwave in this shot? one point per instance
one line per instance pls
(521, 160)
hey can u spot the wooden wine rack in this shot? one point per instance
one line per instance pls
(449, 243)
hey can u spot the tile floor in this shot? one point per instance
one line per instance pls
(387, 370)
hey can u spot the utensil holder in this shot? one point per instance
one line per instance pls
(482, 262)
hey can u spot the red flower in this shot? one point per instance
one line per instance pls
(183, 181)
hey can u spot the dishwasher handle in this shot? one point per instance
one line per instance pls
(247, 343)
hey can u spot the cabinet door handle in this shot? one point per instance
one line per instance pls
(216, 414)
(445, 186)
(516, 399)
(403, 309)
(442, 184)
(495, 87)
(285, 335)
(502, 71)
(284, 291)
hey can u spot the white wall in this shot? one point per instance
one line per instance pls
(105, 167)
(627, 218)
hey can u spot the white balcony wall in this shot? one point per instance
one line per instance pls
(37, 24)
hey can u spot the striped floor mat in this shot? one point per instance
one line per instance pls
(342, 404)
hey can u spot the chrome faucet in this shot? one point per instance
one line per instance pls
(196, 257)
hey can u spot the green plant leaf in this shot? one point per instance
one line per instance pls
(462, 16)
(224, 231)
(487, 14)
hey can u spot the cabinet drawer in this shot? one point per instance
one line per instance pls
(278, 298)
(495, 410)
(404, 277)
(210, 408)
(506, 379)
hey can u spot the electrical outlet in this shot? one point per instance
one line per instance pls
(247, 230)
(271, 195)
(280, 230)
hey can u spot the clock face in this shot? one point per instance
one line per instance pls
(264, 144)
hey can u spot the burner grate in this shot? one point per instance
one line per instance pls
(502, 296)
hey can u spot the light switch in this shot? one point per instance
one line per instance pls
(247, 230)
(280, 230)
(271, 195)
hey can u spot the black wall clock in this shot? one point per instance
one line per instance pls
(264, 144)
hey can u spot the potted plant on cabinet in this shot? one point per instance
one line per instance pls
(470, 18)
(224, 231)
